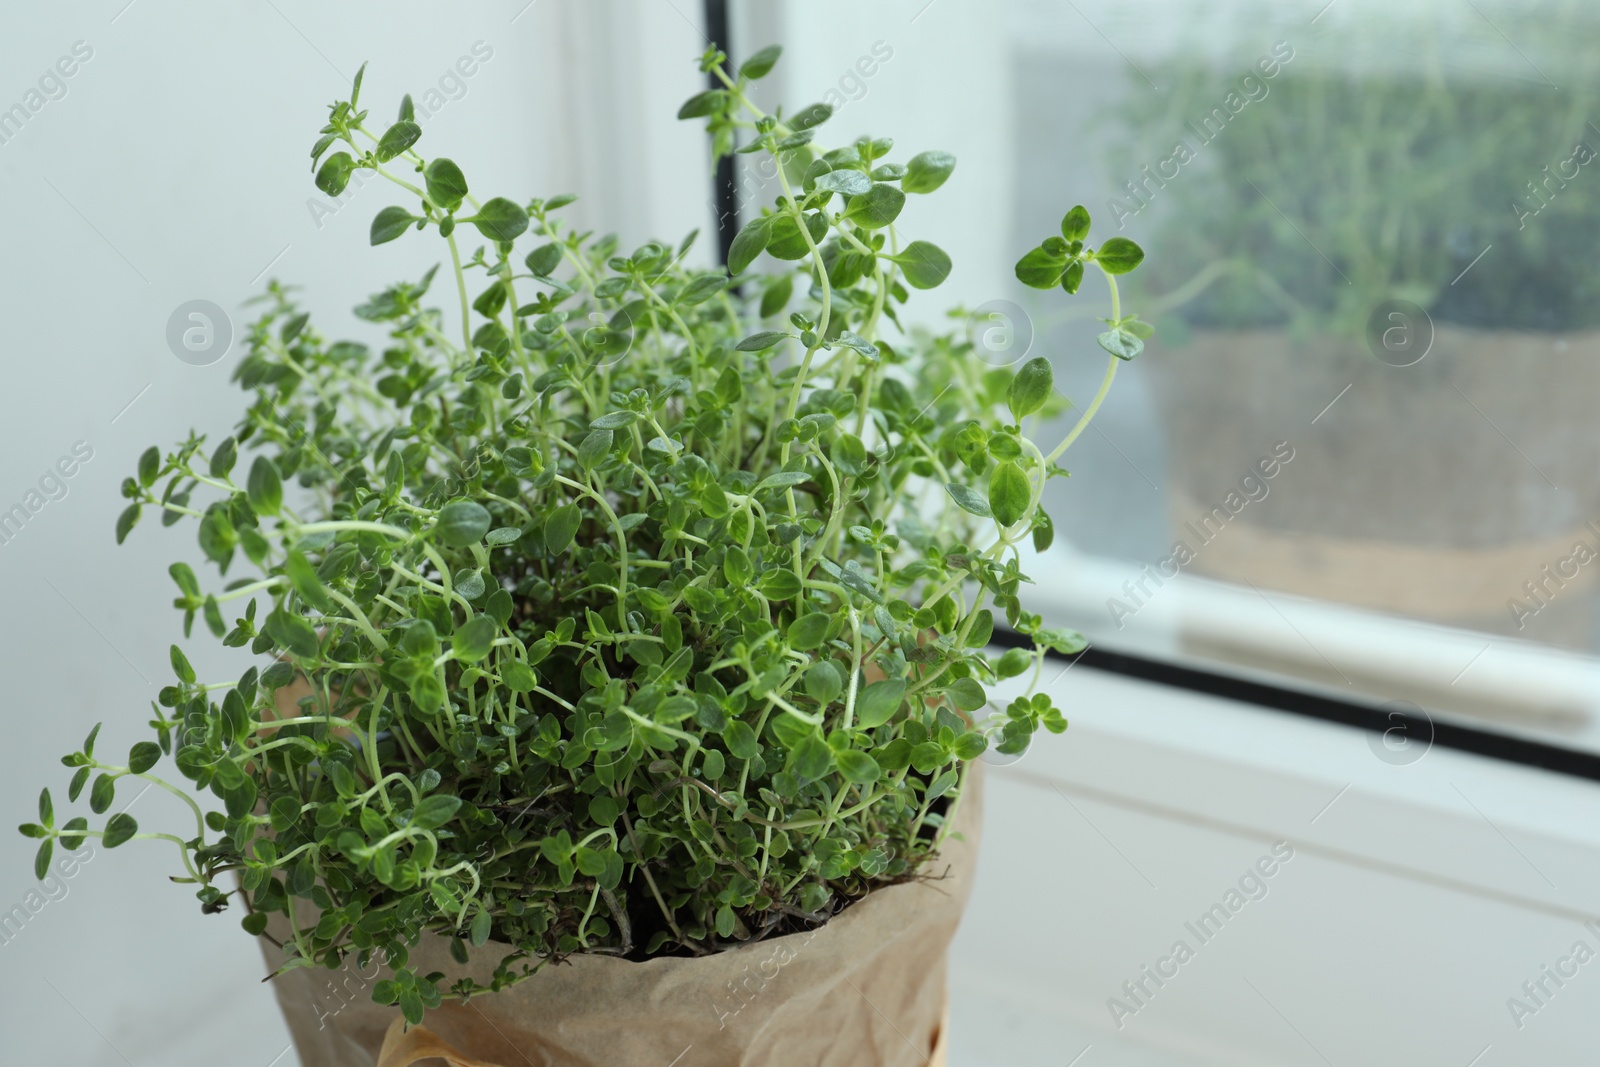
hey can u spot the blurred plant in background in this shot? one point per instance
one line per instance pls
(1373, 168)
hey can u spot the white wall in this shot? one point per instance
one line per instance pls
(1421, 895)
(176, 167)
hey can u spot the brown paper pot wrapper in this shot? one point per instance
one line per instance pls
(867, 989)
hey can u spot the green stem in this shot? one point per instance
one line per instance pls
(247, 590)
(1088, 412)
(461, 290)
(340, 525)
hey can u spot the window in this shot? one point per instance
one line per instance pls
(1358, 450)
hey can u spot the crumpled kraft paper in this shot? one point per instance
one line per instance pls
(867, 989)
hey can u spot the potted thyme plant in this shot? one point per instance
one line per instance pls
(1313, 199)
(634, 623)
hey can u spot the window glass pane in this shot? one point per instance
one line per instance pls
(1362, 435)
